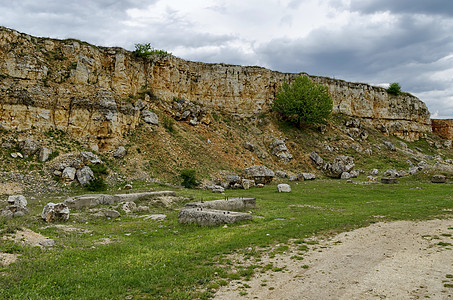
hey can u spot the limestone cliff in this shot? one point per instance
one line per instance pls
(91, 92)
(443, 128)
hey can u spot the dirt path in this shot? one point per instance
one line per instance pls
(397, 260)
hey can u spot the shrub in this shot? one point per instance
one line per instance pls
(303, 101)
(168, 124)
(394, 89)
(189, 179)
(97, 184)
(145, 50)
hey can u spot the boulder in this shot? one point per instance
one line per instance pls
(90, 157)
(283, 188)
(390, 145)
(111, 213)
(307, 176)
(216, 189)
(150, 117)
(413, 170)
(293, 178)
(44, 154)
(279, 149)
(84, 175)
(340, 164)
(345, 175)
(371, 179)
(354, 173)
(438, 179)
(374, 172)
(259, 173)
(128, 207)
(249, 146)
(17, 200)
(55, 212)
(387, 180)
(230, 204)
(247, 183)
(391, 173)
(29, 146)
(281, 174)
(120, 152)
(211, 217)
(68, 174)
(316, 159)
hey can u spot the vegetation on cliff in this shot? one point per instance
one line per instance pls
(303, 101)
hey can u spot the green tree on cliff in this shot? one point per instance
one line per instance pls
(303, 101)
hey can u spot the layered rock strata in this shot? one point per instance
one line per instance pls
(92, 92)
(443, 128)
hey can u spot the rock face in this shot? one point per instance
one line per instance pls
(443, 128)
(91, 92)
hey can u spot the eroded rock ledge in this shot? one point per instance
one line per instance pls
(96, 93)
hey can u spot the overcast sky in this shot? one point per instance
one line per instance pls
(372, 41)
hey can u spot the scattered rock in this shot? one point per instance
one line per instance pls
(211, 217)
(391, 173)
(142, 208)
(354, 123)
(374, 172)
(413, 170)
(354, 173)
(281, 174)
(259, 173)
(120, 152)
(128, 207)
(390, 145)
(29, 146)
(55, 212)
(128, 186)
(371, 179)
(283, 188)
(216, 189)
(307, 176)
(150, 117)
(68, 174)
(247, 183)
(387, 180)
(340, 164)
(279, 149)
(44, 154)
(249, 146)
(90, 157)
(84, 175)
(111, 213)
(293, 178)
(154, 217)
(438, 179)
(316, 159)
(260, 185)
(345, 175)
(17, 200)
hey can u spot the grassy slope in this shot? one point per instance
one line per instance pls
(171, 261)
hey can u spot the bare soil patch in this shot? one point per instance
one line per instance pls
(395, 260)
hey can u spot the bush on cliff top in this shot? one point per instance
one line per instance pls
(303, 101)
(394, 89)
(145, 50)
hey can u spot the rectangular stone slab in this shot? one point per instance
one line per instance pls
(210, 217)
(96, 199)
(233, 204)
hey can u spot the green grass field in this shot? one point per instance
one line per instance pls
(166, 260)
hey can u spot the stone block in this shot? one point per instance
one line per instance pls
(283, 188)
(387, 180)
(211, 217)
(225, 204)
(438, 179)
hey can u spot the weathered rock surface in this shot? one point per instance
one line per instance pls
(340, 165)
(120, 152)
(283, 188)
(17, 200)
(316, 159)
(306, 176)
(279, 149)
(29, 147)
(443, 128)
(247, 183)
(84, 175)
(17, 207)
(261, 174)
(387, 180)
(438, 179)
(211, 217)
(55, 212)
(234, 204)
(82, 90)
(44, 154)
(150, 117)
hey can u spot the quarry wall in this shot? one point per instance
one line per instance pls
(91, 92)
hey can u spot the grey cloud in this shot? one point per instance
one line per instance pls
(431, 7)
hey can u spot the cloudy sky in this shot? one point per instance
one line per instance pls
(372, 41)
